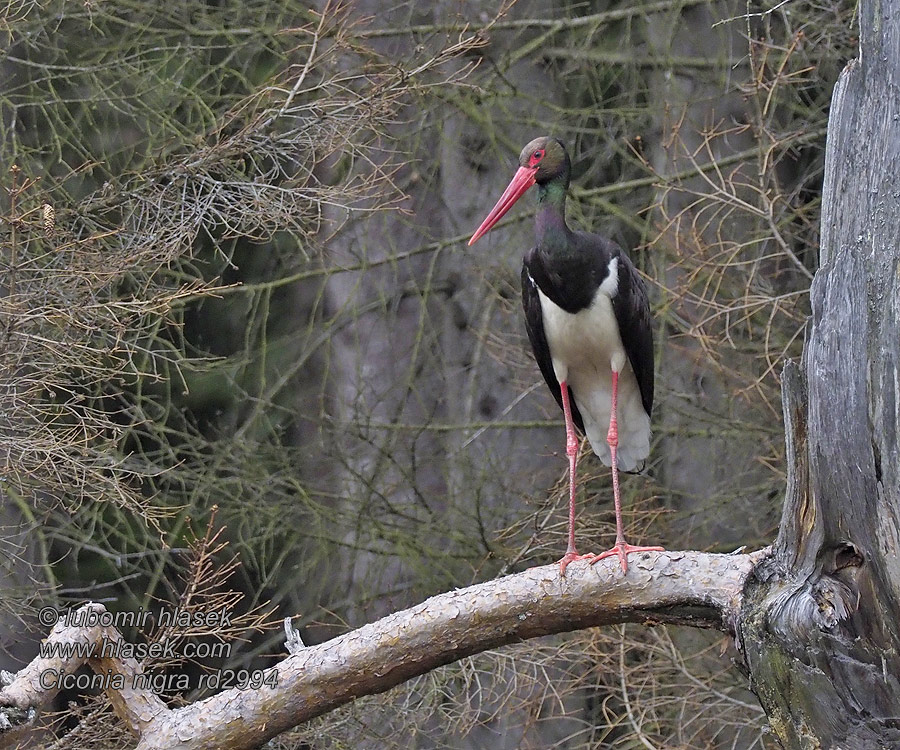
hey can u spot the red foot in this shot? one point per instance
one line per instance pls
(622, 549)
(570, 557)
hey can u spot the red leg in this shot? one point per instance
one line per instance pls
(572, 452)
(621, 548)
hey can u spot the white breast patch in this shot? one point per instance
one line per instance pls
(588, 339)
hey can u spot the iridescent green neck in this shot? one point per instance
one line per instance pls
(553, 193)
(550, 221)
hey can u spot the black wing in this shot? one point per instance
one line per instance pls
(632, 310)
(534, 324)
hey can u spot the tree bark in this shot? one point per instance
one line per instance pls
(686, 588)
(820, 621)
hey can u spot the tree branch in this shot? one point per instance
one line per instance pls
(685, 588)
(67, 648)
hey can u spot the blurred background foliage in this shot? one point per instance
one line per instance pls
(248, 361)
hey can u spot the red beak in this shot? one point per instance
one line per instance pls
(521, 181)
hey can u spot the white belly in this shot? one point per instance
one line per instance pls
(585, 348)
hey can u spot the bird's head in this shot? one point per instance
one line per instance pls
(543, 160)
(547, 157)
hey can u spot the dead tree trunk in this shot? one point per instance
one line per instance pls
(821, 617)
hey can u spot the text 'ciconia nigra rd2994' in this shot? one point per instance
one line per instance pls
(588, 320)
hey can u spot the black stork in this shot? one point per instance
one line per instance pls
(588, 320)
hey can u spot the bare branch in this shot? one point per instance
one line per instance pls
(690, 588)
(72, 642)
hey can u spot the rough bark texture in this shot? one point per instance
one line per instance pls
(689, 588)
(820, 621)
(29, 688)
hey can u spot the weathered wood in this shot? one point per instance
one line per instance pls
(687, 588)
(38, 683)
(821, 619)
(680, 587)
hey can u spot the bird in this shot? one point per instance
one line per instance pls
(588, 319)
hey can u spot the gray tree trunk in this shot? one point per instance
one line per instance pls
(820, 621)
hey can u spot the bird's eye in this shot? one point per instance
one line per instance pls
(537, 156)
